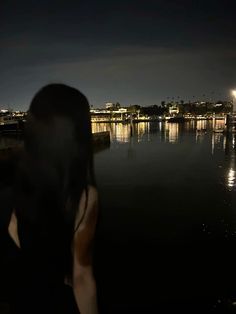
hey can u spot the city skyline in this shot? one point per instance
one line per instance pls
(129, 52)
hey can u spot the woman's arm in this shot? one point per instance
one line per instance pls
(83, 282)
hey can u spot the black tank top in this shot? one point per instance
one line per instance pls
(28, 285)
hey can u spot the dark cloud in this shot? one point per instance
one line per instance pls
(131, 51)
(118, 22)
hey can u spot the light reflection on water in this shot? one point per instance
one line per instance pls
(167, 186)
(118, 131)
(230, 153)
(121, 132)
(231, 178)
(173, 133)
(201, 124)
(141, 129)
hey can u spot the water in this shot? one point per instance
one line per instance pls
(167, 227)
(167, 231)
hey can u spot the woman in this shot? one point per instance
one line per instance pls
(50, 213)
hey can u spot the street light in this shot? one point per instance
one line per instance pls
(234, 100)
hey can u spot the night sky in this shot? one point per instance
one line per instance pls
(131, 52)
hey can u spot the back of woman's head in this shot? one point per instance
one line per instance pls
(58, 163)
(59, 114)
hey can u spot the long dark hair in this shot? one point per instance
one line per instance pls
(56, 168)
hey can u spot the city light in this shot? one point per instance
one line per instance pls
(234, 100)
(234, 93)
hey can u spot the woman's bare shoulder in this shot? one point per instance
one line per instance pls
(85, 227)
(88, 208)
(92, 195)
(13, 229)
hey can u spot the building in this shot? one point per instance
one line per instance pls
(173, 110)
(110, 105)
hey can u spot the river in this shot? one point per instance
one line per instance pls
(167, 230)
(166, 236)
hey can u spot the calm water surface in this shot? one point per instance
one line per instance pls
(166, 236)
(167, 232)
